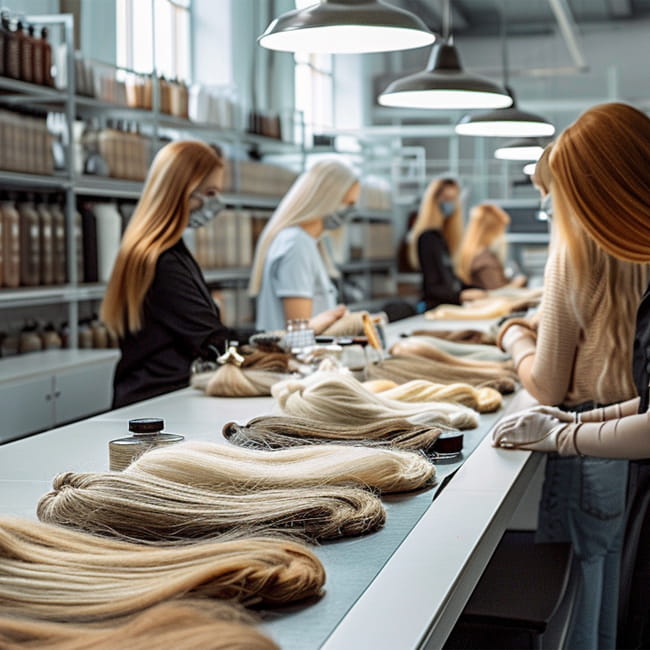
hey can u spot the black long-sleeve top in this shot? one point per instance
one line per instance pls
(439, 282)
(180, 323)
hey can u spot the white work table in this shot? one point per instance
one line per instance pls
(402, 587)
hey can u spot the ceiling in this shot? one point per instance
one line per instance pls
(481, 17)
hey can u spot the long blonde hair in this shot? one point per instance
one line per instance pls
(487, 222)
(151, 509)
(157, 224)
(98, 578)
(429, 216)
(232, 469)
(316, 193)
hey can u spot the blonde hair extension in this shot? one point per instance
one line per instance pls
(57, 574)
(184, 624)
(231, 381)
(350, 324)
(483, 400)
(151, 509)
(459, 336)
(474, 351)
(277, 432)
(333, 397)
(485, 308)
(426, 348)
(402, 369)
(228, 468)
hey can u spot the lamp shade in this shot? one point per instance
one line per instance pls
(506, 123)
(521, 149)
(444, 85)
(529, 169)
(346, 27)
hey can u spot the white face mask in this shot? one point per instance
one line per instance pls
(339, 217)
(211, 206)
(546, 207)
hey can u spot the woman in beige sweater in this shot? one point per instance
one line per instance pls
(580, 358)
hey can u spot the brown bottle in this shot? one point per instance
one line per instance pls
(58, 232)
(46, 61)
(4, 37)
(100, 334)
(12, 52)
(30, 244)
(85, 336)
(30, 341)
(47, 243)
(79, 246)
(37, 58)
(50, 338)
(11, 243)
(27, 53)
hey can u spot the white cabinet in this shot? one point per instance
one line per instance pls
(41, 390)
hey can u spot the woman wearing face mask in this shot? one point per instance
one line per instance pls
(581, 358)
(482, 252)
(292, 269)
(157, 301)
(434, 241)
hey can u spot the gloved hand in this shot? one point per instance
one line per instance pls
(528, 430)
(553, 411)
(513, 334)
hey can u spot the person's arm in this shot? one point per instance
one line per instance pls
(302, 308)
(439, 286)
(545, 366)
(612, 412)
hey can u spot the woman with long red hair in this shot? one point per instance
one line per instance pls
(157, 301)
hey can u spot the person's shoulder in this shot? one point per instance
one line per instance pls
(292, 240)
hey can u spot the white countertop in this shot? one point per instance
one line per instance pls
(400, 588)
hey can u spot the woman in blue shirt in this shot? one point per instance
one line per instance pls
(292, 269)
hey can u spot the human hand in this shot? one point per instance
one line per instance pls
(468, 295)
(513, 334)
(528, 430)
(519, 281)
(325, 319)
(553, 411)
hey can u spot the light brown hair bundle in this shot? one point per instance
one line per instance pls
(183, 624)
(459, 336)
(227, 468)
(277, 432)
(146, 508)
(57, 574)
(403, 369)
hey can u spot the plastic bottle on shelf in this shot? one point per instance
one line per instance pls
(147, 434)
(46, 61)
(99, 334)
(27, 53)
(37, 57)
(89, 235)
(50, 338)
(85, 341)
(5, 35)
(47, 242)
(59, 243)
(30, 243)
(12, 52)
(109, 233)
(79, 246)
(11, 241)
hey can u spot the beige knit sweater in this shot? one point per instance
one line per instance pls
(567, 359)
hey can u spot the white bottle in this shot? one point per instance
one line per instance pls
(109, 234)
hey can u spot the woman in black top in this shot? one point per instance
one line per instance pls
(157, 301)
(433, 242)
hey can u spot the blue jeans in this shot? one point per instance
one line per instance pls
(583, 502)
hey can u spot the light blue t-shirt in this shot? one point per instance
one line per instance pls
(293, 268)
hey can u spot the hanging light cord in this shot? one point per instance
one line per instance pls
(504, 43)
(446, 20)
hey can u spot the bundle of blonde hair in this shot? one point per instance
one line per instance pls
(183, 624)
(459, 336)
(350, 324)
(53, 573)
(336, 397)
(277, 432)
(475, 351)
(227, 468)
(147, 508)
(426, 348)
(401, 369)
(483, 400)
(486, 308)
(253, 378)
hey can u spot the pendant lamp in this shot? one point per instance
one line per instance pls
(444, 84)
(508, 122)
(522, 149)
(346, 27)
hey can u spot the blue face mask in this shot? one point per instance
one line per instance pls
(546, 207)
(211, 206)
(447, 208)
(339, 217)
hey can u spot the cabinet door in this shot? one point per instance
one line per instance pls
(83, 391)
(26, 406)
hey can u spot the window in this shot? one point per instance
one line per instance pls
(314, 91)
(169, 20)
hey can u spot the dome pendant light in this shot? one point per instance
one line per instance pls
(444, 84)
(521, 149)
(346, 27)
(508, 122)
